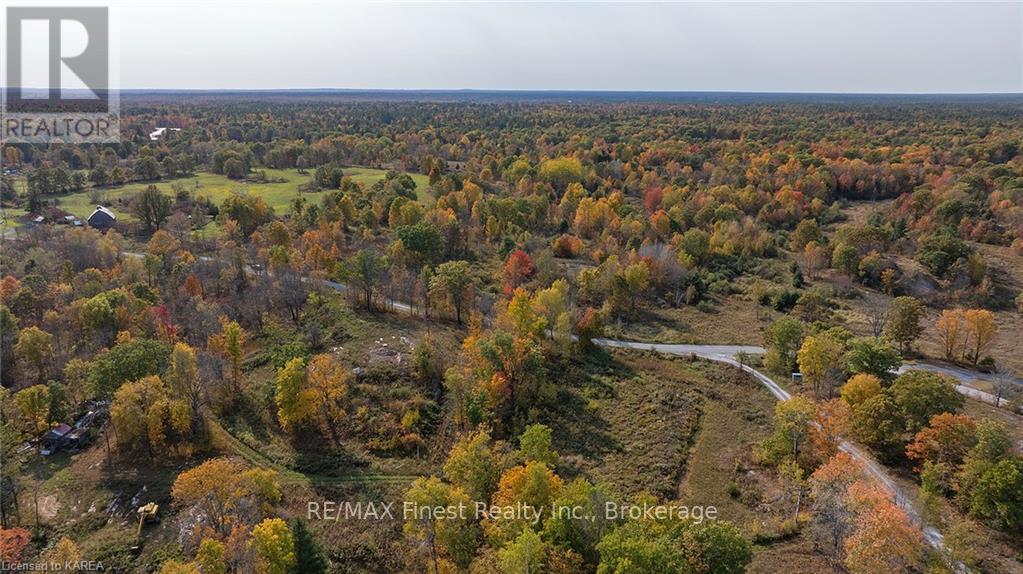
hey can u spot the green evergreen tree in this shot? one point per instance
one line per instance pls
(311, 559)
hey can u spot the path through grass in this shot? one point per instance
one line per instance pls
(225, 441)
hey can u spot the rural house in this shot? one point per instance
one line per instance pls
(102, 218)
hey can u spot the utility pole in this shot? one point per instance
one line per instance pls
(106, 438)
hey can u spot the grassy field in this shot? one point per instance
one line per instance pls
(734, 320)
(795, 555)
(278, 195)
(10, 215)
(629, 428)
(686, 430)
(645, 422)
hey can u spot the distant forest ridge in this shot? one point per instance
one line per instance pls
(566, 96)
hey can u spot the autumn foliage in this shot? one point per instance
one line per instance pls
(517, 270)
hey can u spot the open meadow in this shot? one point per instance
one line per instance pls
(283, 186)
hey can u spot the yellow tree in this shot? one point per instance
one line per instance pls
(183, 377)
(552, 303)
(793, 422)
(145, 416)
(328, 385)
(448, 536)
(636, 280)
(981, 330)
(220, 486)
(951, 331)
(473, 465)
(66, 551)
(561, 171)
(229, 343)
(815, 257)
(211, 556)
(274, 547)
(531, 485)
(76, 375)
(821, 360)
(295, 401)
(35, 347)
(521, 317)
(860, 388)
(34, 408)
(453, 280)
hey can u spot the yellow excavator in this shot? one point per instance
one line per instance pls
(147, 513)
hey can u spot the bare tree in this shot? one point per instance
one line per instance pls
(290, 292)
(668, 276)
(877, 316)
(1005, 386)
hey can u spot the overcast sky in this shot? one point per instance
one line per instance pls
(767, 46)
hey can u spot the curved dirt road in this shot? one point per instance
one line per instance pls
(726, 354)
(715, 352)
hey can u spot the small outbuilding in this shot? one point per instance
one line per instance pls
(55, 439)
(102, 218)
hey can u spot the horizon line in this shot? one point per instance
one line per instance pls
(547, 90)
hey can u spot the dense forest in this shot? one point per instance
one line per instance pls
(301, 300)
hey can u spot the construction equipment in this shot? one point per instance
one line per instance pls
(147, 513)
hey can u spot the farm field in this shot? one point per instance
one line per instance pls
(278, 194)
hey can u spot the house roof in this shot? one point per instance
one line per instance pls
(160, 132)
(103, 210)
(58, 431)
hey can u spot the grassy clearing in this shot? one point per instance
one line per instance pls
(650, 421)
(644, 422)
(1013, 422)
(227, 443)
(795, 555)
(712, 438)
(216, 187)
(278, 194)
(720, 458)
(729, 313)
(734, 321)
(9, 217)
